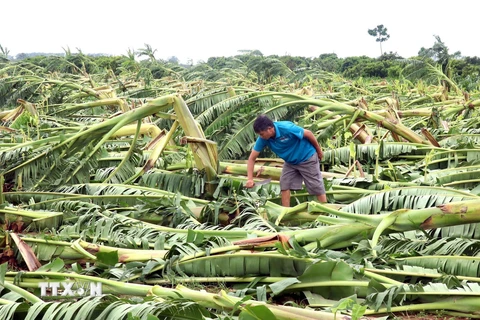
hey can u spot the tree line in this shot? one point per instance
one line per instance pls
(265, 69)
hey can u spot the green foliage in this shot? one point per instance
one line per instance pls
(161, 227)
(107, 307)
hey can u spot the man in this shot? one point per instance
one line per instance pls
(299, 149)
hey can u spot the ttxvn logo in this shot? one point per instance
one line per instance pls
(66, 289)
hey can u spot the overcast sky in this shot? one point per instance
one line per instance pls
(199, 29)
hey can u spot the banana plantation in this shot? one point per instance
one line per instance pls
(123, 194)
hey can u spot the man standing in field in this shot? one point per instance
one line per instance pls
(299, 149)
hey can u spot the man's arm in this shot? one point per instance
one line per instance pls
(250, 166)
(307, 134)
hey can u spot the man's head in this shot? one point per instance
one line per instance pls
(263, 126)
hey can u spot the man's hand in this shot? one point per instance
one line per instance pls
(320, 154)
(250, 166)
(250, 184)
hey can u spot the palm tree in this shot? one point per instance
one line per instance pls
(268, 68)
(4, 52)
(130, 64)
(147, 51)
(439, 53)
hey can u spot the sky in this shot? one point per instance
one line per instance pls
(198, 29)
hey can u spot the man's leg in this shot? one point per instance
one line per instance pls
(289, 180)
(312, 176)
(285, 198)
(322, 198)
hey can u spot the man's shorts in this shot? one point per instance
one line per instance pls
(308, 172)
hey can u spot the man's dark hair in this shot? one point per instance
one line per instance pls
(262, 123)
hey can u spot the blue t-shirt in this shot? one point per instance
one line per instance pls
(288, 143)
